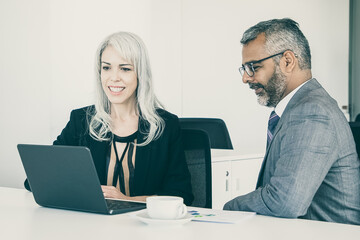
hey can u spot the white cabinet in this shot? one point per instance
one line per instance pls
(233, 174)
(221, 181)
(244, 174)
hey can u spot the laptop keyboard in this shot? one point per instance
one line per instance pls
(118, 205)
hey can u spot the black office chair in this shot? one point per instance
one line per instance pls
(215, 128)
(355, 128)
(198, 157)
(357, 119)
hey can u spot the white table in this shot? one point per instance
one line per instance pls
(21, 218)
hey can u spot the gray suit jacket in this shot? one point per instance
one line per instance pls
(311, 168)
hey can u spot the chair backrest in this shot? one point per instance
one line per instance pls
(357, 119)
(198, 157)
(355, 128)
(215, 128)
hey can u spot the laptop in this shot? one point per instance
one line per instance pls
(65, 177)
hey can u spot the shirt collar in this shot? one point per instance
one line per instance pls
(280, 107)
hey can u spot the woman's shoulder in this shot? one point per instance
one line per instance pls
(84, 111)
(82, 115)
(167, 116)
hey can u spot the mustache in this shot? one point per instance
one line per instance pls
(256, 85)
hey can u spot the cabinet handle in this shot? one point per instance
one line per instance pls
(227, 185)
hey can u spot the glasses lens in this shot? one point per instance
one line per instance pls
(241, 70)
(249, 70)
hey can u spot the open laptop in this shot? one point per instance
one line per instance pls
(65, 177)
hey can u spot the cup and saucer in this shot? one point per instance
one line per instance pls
(164, 210)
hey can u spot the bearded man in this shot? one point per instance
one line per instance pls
(311, 168)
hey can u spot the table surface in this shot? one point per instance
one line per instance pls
(22, 218)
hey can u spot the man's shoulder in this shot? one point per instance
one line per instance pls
(312, 99)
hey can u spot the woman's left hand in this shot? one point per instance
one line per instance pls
(112, 192)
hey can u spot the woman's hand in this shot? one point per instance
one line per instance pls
(113, 192)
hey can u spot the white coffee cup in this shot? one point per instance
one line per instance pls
(166, 207)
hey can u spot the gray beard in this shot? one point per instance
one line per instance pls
(274, 89)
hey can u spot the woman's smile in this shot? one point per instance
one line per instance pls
(116, 90)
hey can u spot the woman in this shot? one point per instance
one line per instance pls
(135, 144)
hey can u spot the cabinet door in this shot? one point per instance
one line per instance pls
(244, 174)
(221, 184)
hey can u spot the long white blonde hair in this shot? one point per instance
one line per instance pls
(132, 49)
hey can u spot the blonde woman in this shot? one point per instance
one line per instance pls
(136, 145)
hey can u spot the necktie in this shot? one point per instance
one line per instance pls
(273, 121)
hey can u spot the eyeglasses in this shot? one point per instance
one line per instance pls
(249, 67)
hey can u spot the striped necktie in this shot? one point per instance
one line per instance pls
(273, 121)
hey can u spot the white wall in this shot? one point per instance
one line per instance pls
(47, 52)
(25, 75)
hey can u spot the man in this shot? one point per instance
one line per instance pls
(310, 169)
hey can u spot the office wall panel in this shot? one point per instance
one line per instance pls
(354, 59)
(25, 82)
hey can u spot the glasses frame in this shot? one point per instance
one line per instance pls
(249, 67)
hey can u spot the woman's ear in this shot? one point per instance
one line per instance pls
(288, 62)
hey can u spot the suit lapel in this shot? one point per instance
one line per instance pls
(263, 164)
(99, 151)
(302, 92)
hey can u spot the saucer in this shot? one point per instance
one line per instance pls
(144, 217)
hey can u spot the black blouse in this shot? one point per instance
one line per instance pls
(121, 173)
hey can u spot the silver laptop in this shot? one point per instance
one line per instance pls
(65, 177)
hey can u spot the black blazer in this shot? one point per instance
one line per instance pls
(160, 166)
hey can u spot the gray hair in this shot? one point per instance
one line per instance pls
(280, 35)
(133, 50)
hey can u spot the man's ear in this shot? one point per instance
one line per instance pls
(288, 62)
